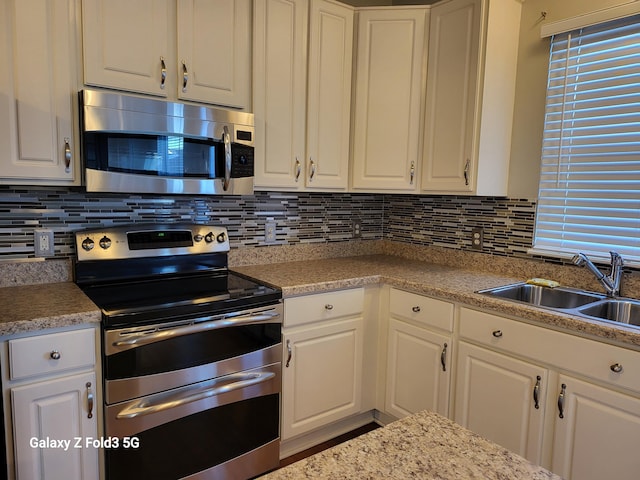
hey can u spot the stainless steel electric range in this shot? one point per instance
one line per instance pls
(191, 353)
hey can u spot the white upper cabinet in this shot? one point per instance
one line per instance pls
(473, 47)
(302, 93)
(329, 94)
(198, 50)
(38, 84)
(387, 98)
(214, 51)
(280, 91)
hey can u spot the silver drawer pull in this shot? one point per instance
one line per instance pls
(563, 391)
(289, 354)
(497, 333)
(55, 355)
(89, 400)
(328, 306)
(415, 309)
(536, 392)
(616, 368)
(443, 358)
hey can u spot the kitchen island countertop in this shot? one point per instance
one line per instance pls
(424, 446)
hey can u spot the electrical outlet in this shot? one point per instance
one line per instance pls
(270, 232)
(477, 237)
(356, 228)
(43, 243)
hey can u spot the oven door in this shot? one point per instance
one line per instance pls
(140, 361)
(227, 427)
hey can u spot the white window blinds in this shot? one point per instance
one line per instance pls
(589, 199)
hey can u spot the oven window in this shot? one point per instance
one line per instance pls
(198, 442)
(192, 350)
(158, 155)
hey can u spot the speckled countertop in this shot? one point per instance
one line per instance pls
(29, 308)
(445, 282)
(425, 445)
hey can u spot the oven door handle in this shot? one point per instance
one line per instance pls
(194, 393)
(147, 338)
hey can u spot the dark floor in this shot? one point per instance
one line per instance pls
(328, 444)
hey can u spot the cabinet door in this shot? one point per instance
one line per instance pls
(214, 52)
(280, 92)
(599, 433)
(126, 45)
(452, 76)
(388, 90)
(57, 410)
(496, 397)
(322, 375)
(37, 91)
(418, 370)
(329, 95)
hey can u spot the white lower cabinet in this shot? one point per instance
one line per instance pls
(50, 391)
(599, 433)
(322, 374)
(499, 397)
(55, 410)
(418, 357)
(568, 403)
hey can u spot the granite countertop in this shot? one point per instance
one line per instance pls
(444, 282)
(424, 445)
(30, 308)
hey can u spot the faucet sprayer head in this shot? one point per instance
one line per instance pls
(578, 259)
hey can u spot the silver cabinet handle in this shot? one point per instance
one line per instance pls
(55, 355)
(328, 306)
(67, 154)
(536, 392)
(466, 171)
(163, 73)
(416, 309)
(443, 358)
(185, 76)
(193, 393)
(616, 368)
(312, 169)
(561, 400)
(412, 172)
(289, 353)
(298, 169)
(227, 158)
(89, 400)
(497, 333)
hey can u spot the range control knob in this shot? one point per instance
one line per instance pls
(105, 242)
(197, 237)
(221, 237)
(87, 244)
(208, 237)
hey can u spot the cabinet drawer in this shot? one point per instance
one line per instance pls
(563, 351)
(35, 355)
(428, 311)
(323, 306)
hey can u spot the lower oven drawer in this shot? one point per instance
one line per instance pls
(198, 428)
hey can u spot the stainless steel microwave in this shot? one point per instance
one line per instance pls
(133, 144)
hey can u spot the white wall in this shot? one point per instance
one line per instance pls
(531, 83)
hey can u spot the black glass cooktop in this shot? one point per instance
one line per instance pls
(155, 300)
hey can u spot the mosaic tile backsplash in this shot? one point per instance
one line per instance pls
(300, 218)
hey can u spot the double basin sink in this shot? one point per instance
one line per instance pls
(573, 301)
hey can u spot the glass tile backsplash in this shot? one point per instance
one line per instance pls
(300, 218)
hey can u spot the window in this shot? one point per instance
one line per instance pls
(589, 198)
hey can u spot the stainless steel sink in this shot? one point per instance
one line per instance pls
(616, 310)
(570, 300)
(557, 298)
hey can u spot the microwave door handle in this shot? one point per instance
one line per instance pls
(227, 158)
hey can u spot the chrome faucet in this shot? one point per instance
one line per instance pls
(611, 282)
